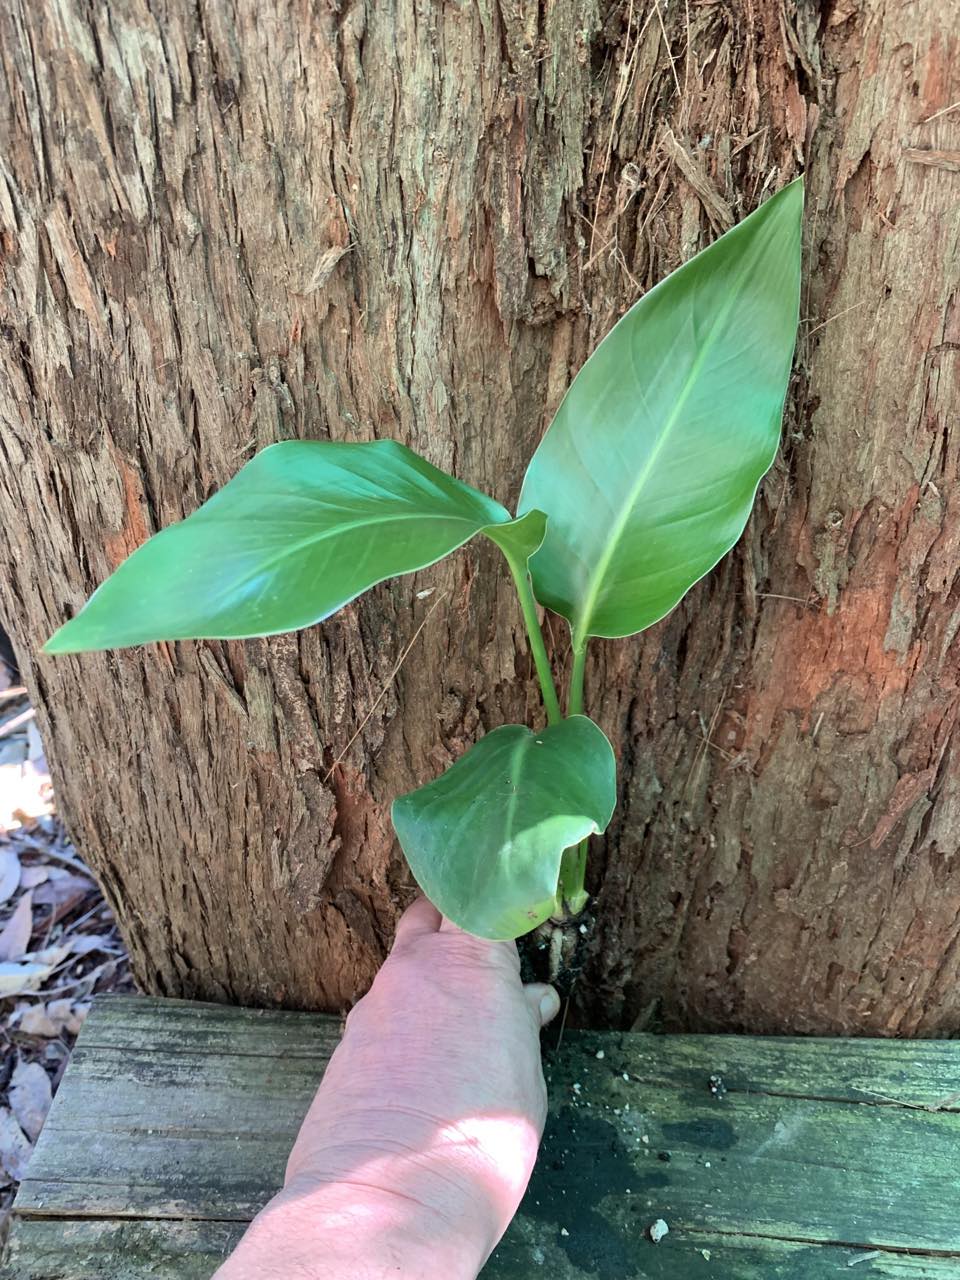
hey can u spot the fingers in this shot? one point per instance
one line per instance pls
(543, 1000)
(420, 918)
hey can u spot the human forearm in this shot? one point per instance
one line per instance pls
(341, 1232)
(422, 1136)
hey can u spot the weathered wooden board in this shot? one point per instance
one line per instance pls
(88, 1249)
(185, 1025)
(919, 1074)
(173, 1124)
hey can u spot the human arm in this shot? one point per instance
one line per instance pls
(421, 1139)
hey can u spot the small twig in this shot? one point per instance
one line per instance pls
(94, 910)
(563, 1023)
(933, 1107)
(835, 316)
(666, 45)
(752, 137)
(54, 856)
(735, 761)
(387, 683)
(17, 691)
(627, 68)
(685, 108)
(942, 112)
(773, 595)
(17, 722)
(701, 750)
(727, 755)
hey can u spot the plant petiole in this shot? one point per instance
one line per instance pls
(572, 897)
(541, 661)
(575, 692)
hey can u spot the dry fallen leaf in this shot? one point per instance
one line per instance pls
(30, 877)
(9, 874)
(51, 956)
(15, 1147)
(30, 1096)
(16, 933)
(37, 1022)
(77, 1018)
(62, 888)
(67, 1016)
(16, 979)
(84, 943)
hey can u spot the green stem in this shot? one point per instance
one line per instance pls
(575, 693)
(572, 897)
(528, 606)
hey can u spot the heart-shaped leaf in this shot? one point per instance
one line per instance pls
(484, 841)
(301, 530)
(649, 470)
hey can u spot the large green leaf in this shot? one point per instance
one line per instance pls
(302, 529)
(649, 470)
(485, 839)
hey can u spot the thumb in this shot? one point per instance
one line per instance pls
(543, 1001)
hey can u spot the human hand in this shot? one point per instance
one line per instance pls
(423, 1134)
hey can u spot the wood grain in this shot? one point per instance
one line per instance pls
(54, 1249)
(799, 1165)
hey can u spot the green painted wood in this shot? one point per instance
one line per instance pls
(88, 1249)
(819, 1156)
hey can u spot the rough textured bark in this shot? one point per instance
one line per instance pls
(224, 225)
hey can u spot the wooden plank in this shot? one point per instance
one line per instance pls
(138, 1249)
(61, 1249)
(911, 1073)
(150, 1024)
(133, 1134)
(915, 1074)
(175, 1111)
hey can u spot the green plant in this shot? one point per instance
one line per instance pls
(644, 480)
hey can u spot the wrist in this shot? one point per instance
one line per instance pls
(467, 1177)
(342, 1231)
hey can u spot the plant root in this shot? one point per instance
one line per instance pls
(556, 951)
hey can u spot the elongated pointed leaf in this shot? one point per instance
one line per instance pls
(302, 529)
(649, 470)
(485, 839)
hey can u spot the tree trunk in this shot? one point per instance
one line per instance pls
(225, 224)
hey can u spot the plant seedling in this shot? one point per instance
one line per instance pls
(643, 481)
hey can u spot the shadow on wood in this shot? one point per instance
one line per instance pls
(766, 1157)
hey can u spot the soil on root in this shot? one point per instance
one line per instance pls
(556, 951)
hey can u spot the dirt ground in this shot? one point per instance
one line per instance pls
(58, 939)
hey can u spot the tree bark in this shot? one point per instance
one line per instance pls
(225, 224)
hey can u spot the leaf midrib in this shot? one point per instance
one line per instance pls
(517, 758)
(581, 629)
(324, 534)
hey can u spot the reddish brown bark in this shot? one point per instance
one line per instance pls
(221, 229)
